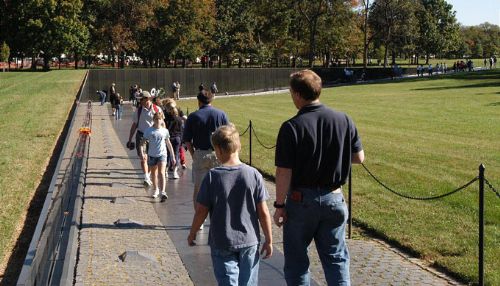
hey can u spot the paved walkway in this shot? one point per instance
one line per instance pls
(150, 248)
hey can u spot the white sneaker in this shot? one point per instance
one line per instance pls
(171, 175)
(164, 196)
(201, 226)
(147, 182)
(156, 194)
(175, 174)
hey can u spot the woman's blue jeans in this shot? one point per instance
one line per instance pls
(236, 266)
(320, 215)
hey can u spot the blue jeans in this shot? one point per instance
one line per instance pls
(236, 266)
(119, 111)
(322, 216)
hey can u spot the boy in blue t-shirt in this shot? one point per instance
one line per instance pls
(235, 196)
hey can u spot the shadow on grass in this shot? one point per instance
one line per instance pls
(494, 104)
(16, 259)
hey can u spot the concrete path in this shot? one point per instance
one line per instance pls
(154, 240)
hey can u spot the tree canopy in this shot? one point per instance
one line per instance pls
(262, 32)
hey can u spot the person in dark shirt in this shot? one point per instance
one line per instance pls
(314, 152)
(197, 131)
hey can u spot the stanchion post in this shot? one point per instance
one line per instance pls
(481, 225)
(350, 204)
(250, 135)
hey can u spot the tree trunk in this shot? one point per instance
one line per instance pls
(393, 55)
(427, 56)
(385, 56)
(76, 61)
(122, 60)
(46, 60)
(365, 28)
(184, 62)
(312, 44)
(175, 62)
(228, 61)
(59, 63)
(33, 63)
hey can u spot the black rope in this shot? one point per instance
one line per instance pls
(244, 132)
(258, 140)
(419, 198)
(491, 187)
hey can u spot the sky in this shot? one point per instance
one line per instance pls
(475, 12)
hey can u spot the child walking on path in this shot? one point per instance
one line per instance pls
(158, 138)
(234, 195)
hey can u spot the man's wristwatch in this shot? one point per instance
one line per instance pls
(278, 206)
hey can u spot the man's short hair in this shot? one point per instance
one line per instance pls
(306, 83)
(205, 97)
(227, 138)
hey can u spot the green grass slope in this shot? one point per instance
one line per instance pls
(422, 137)
(33, 108)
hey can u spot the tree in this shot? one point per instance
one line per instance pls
(234, 29)
(275, 31)
(4, 52)
(439, 30)
(345, 39)
(185, 29)
(396, 25)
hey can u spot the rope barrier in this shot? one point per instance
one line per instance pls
(419, 198)
(492, 188)
(244, 132)
(261, 144)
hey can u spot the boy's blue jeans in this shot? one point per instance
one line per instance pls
(237, 266)
(322, 216)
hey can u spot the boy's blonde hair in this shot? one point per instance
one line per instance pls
(158, 116)
(227, 138)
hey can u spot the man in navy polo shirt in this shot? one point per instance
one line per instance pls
(197, 131)
(314, 152)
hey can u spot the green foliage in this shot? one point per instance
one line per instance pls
(265, 31)
(394, 23)
(439, 31)
(49, 28)
(482, 40)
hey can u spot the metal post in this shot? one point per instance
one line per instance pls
(350, 204)
(250, 135)
(481, 225)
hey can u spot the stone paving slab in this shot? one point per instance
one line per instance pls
(101, 241)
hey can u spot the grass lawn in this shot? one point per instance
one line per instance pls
(33, 108)
(422, 137)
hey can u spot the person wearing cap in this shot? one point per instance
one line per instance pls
(197, 131)
(142, 120)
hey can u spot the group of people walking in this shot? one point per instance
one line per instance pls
(314, 153)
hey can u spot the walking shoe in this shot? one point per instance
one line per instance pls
(156, 194)
(164, 197)
(147, 182)
(175, 175)
(201, 226)
(171, 175)
(184, 166)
